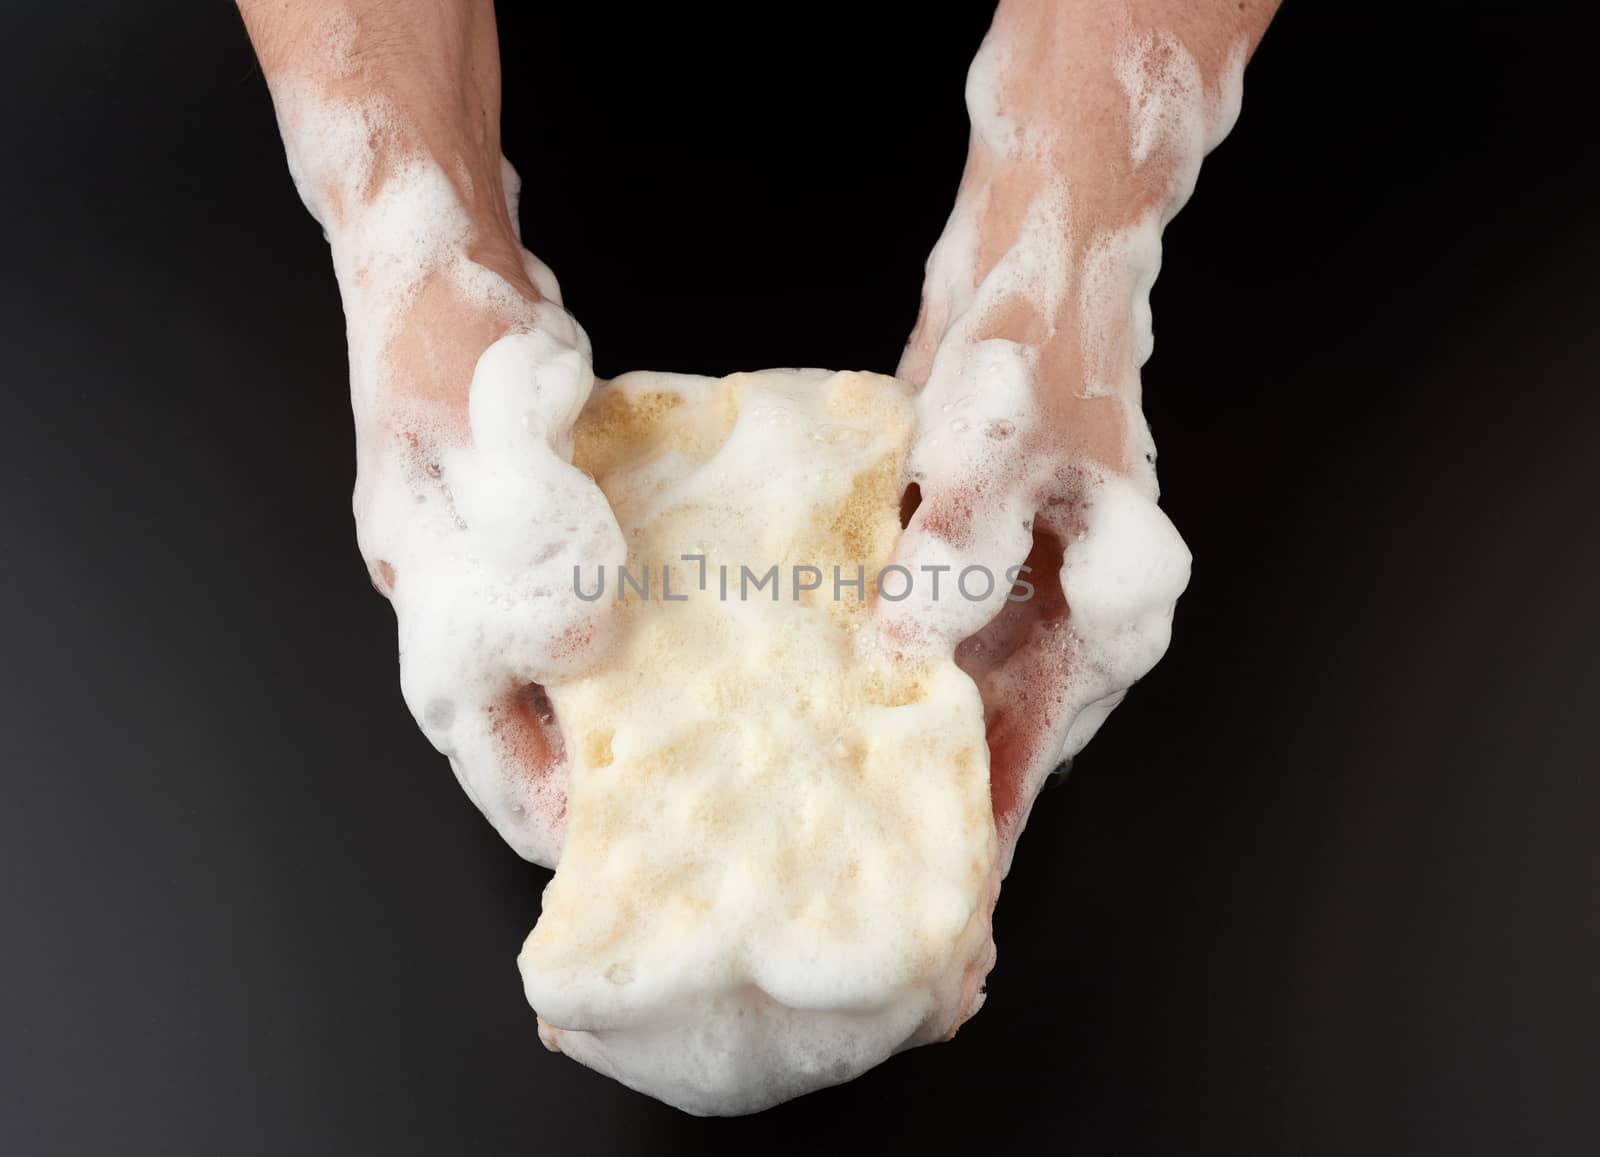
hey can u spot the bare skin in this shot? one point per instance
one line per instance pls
(437, 63)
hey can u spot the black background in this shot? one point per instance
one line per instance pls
(1325, 884)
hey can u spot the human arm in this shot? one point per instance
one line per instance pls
(465, 373)
(1090, 120)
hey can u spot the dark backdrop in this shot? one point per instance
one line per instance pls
(1325, 884)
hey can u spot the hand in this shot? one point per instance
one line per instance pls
(1032, 451)
(466, 375)
(474, 524)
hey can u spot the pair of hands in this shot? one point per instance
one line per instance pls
(1013, 493)
(466, 375)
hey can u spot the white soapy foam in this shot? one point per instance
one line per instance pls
(1174, 120)
(780, 851)
(999, 131)
(1121, 579)
(1166, 99)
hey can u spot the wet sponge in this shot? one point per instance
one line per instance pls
(779, 859)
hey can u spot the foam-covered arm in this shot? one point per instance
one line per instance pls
(466, 376)
(436, 64)
(1089, 122)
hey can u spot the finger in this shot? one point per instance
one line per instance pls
(1099, 621)
(1047, 702)
(1020, 661)
(961, 551)
(499, 733)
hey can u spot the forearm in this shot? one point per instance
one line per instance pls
(1120, 100)
(425, 74)
(1089, 122)
(390, 117)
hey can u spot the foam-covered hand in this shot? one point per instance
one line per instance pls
(466, 375)
(1033, 461)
